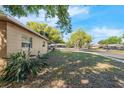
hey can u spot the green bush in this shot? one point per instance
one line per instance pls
(20, 66)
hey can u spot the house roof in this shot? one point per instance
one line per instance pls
(122, 40)
(8, 18)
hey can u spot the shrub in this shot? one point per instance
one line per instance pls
(20, 66)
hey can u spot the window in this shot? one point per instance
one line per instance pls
(43, 43)
(26, 42)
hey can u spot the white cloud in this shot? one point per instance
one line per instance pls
(99, 33)
(66, 37)
(105, 32)
(52, 22)
(76, 10)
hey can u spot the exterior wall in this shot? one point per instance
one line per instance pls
(2, 64)
(3, 45)
(14, 39)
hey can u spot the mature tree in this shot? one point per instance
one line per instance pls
(114, 40)
(88, 40)
(51, 11)
(79, 38)
(42, 28)
(111, 40)
(38, 27)
(102, 42)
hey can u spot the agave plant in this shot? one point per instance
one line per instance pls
(20, 66)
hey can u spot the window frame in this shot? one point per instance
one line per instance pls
(26, 43)
(44, 44)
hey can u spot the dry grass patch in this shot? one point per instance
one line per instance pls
(2, 65)
(58, 83)
(103, 66)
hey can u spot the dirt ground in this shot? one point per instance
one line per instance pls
(2, 64)
(77, 70)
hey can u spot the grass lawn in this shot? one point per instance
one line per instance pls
(117, 51)
(78, 70)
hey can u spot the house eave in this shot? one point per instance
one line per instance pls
(7, 18)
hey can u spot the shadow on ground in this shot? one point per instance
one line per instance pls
(78, 70)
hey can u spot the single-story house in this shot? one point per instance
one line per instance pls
(122, 40)
(94, 46)
(58, 45)
(15, 37)
(113, 46)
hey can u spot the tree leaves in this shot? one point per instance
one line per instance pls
(111, 40)
(79, 38)
(42, 28)
(51, 11)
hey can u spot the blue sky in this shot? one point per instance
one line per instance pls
(98, 21)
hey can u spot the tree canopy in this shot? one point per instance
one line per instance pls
(38, 27)
(111, 40)
(42, 28)
(79, 38)
(51, 11)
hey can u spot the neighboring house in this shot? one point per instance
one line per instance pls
(122, 41)
(58, 45)
(15, 37)
(114, 46)
(95, 46)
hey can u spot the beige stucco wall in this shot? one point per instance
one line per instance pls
(2, 64)
(3, 46)
(14, 34)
